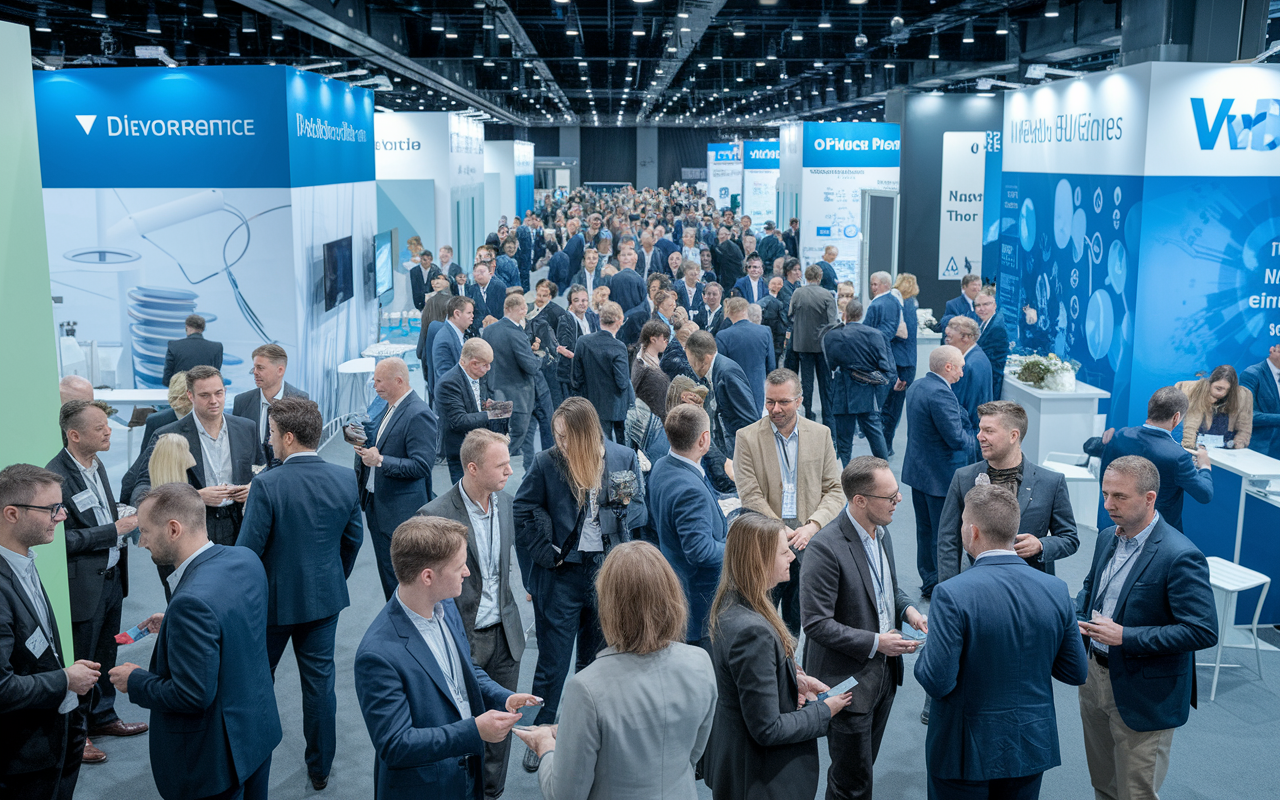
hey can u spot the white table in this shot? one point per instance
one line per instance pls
(1082, 488)
(381, 350)
(1233, 472)
(1057, 422)
(1229, 580)
(132, 397)
(926, 343)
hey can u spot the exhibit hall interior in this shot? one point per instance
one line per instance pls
(443, 385)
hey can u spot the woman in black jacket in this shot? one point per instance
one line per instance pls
(763, 742)
(580, 498)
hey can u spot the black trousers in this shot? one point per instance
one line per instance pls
(54, 783)
(564, 611)
(789, 593)
(313, 644)
(381, 548)
(928, 508)
(854, 742)
(1026, 787)
(94, 639)
(253, 788)
(615, 431)
(812, 364)
(490, 652)
(891, 414)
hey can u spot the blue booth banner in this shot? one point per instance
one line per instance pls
(760, 169)
(724, 173)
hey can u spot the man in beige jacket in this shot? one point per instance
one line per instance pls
(786, 468)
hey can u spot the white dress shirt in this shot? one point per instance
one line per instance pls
(176, 577)
(101, 511)
(386, 418)
(440, 642)
(265, 404)
(488, 530)
(878, 566)
(217, 456)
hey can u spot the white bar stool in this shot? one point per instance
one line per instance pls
(1231, 579)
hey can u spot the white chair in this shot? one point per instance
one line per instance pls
(1082, 485)
(1229, 580)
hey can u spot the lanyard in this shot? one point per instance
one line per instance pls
(1109, 574)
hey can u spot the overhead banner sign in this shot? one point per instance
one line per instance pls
(760, 169)
(724, 173)
(964, 156)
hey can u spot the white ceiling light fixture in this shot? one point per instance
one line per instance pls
(349, 73)
(1051, 9)
(967, 36)
(98, 10)
(277, 30)
(209, 11)
(1002, 27)
(321, 65)
(248, 22)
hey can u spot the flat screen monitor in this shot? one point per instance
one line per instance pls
(384, 257)
(338, 273)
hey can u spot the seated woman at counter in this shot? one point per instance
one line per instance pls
(1218, 406)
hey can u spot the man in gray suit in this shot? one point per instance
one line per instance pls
(1047, 531)
(269, 363)
(851, 607)
(515, 363)
(812, 310)
(489, 613)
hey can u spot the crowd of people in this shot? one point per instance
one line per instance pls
(673, 383)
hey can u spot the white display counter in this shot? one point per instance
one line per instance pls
(1057, 422)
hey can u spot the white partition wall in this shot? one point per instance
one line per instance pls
(760, 169)
(724, 173)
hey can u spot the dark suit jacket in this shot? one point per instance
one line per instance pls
(507, 270)
(1167, 610)
(994, 341)
(1177, 467)
(602, 375)
(735, 403)
(998, 636)
(666, 247)
(771, 249)
(446, 351)
(456, 409)
(559, 270)
(419, 286)
(957, 307)
(938, 443)
(155, 422)
(88, 543)
(882, 314)
(488, 303)
(829, 278)
(654, 261)
(209, 689)
(773, 315)
(1266, 408)
(838, 612)
(750, 346)
(727, 258)
(791, 240)
(694, 305)
(742, 288)
(419, 738)
(303, 520)
(974, 387)
(761, 747)
(402, 484)
(715, 321)
(514, 364)
(904, 350)
(450, 505)
(854, 346)
(248, 405)
(246, 453)
(1046, 515)
(597, 280)
(567, 333)
(33, 735)
(574, 249)
(691, 532)
(627, 289)
(812, 310)
(193, 351)
(633, 322)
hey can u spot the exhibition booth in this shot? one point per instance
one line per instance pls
(724, 174)
(760, 181)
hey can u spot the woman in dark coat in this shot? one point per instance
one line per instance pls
(762, 746)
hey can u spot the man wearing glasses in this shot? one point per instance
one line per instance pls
(786, 468)
(42, 716)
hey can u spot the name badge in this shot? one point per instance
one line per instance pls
(788, 500)
(37, 643)
(85, 500)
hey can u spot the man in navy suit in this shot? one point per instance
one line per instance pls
(752, 286)
(303, 520)
(691, 528)
(883, 313)
(524, 256)
(748, 345)
(993, 338)
(937, 445)
(962, 306)
(1146, 608)
(855, 352)
(1180, 471)
(462, 397)
(1000, 634)
(634, 320)
(602, 373)
(575, 245)
(974, 387)
(269, 364)
(730, 404)
(558, 271)
(393, 465)
(193, 351)
(589, 276)
(515, 365)
(489, 293)
(1263, 379)
(446, 346)
(664, 243)
(579, 321)
(627, 287)
(213, 709)
(428, 708)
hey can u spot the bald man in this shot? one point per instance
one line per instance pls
(393, 464)
(463, 393)
(74, 387)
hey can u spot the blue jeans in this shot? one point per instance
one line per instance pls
(564, 611)
(809, 364)
(928, 510)
(846, 424)
(313, 649)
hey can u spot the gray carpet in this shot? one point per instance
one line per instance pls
(1221, 752)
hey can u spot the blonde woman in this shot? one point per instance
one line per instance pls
(572, 507)
(179, 407)
(635, 722)
(170, 460)
(1217, 405)
(764, 743)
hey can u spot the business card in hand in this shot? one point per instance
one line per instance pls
(501, 409)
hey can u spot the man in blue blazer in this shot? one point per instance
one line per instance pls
(691, 528)
(576, 244)
(752, 286)
(1145, 609)
(748, 345)
(1180, 471)
(627, 287)
(962, 306)
(1263, 379)
(524, 256)
(602, 373)
(993, 338)
(589, 276)
(446, 349)
(303, 520)
(974, 387)
(579, 321)
(884, 312)
(938, 444)
(730, 403)
(393, 465)
(664, 243)
(213, 709)
(558, 271)
(852, 349)
(458, 407)
(428, 708)
(515, 366)
(489, 293)
(1000, 634)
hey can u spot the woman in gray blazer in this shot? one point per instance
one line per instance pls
(768, 719)
(636, 721)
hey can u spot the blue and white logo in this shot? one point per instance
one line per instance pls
(1257, 131)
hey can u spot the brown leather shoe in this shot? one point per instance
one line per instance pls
(92, 755)
(119, 728)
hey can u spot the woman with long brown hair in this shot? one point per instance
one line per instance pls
(1217, 405)
(579, 499)
(764, 740)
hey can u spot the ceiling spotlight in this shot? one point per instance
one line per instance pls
(277, 30)
(637, 27)
(738, 29)
(897, 24)
(248, 22)
(1002, 27)
(824, 21)
(42, 21)
(1051, 8)
(933, 46)
(450, 29)
(99, 8)
(437, 22)
(772, 53)
(890, 65)
(857, 2)
(234, 49)
(797, 35)
(210, 10)
(487, 21)
(967, 38)
(320, 65)
(153, 21)
(848, 74)
(478, 50)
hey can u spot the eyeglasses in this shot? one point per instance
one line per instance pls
(894, 498)
(784, 402)
(54, 510)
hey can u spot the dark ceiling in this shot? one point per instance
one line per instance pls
(724, 63)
